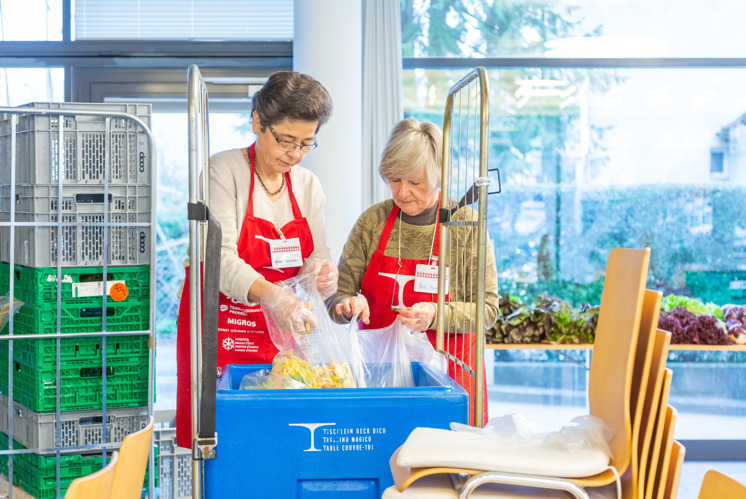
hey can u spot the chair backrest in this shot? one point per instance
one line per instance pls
(715, 485)
(661, 468)
(97, 485)
(133, 460)
(674, 471)
(610, 378)
(640, 375)
(656, 445)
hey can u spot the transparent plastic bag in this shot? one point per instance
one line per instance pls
(313, 356)
(381, 355)
(386, 354)
(421, 350)
(5, 309)
(583, 432)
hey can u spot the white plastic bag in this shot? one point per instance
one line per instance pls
(384, 356)
(582, 432)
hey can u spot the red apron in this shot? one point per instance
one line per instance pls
(243, 336)
(385, 284)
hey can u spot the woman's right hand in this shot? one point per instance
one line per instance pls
(355, 305)
(289, 312)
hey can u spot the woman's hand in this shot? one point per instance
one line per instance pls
(419, 316)
(327, 275)
(289, 312)
(355, 305)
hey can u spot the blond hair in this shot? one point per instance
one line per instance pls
(413, 148)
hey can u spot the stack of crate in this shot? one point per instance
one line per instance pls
(79, 235)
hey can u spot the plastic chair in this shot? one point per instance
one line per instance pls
(716, 485)
(133, 460)
(610, 383)
(97, 485)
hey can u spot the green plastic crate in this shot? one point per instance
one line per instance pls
(81, 298)
(37, 473)
(35, 384)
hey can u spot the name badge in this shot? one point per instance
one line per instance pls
(285, 253)
(426, 279)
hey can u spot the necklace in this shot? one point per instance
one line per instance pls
(265, 187)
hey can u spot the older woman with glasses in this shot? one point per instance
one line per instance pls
(388, 267)
(271, 212)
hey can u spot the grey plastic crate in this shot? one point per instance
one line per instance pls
(82, 244)
(37, 145)
(174, 463)
(36, 429)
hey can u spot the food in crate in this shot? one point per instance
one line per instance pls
(291, 371)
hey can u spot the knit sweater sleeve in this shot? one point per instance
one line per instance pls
(357, 253)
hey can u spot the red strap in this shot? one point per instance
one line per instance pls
(390, 226)
(387, 230)
(293, 203)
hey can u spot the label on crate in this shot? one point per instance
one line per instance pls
(737, 284)
(118, 291)
(86, 289)
(333, 438)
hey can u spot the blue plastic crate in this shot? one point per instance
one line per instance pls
(323, 443)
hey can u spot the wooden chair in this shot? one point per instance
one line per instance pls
(716, 485)
(660, 432)
(610, 383)
(133, 460)
(97, 485)
(674, 471)
(643, 379)
(661, 467)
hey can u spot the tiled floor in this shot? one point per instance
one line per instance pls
(693, 472)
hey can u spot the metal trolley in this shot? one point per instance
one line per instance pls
(89, 153)
(465, 176)
(204, 238)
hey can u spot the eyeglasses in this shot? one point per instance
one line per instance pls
(286, 145)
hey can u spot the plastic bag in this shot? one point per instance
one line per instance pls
(314, 358)
(5, 309)
(421, 350)
(583, 432)
(381, 356)
(386, 354)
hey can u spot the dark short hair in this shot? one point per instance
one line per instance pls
(291, 95)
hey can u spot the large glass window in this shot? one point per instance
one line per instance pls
(31, 20)
(573, 28)
(23, 85)
(227, 131)
(593, 155)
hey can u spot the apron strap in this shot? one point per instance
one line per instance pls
(387, 230)
(381, 248)
(250, 153)
(250, 209)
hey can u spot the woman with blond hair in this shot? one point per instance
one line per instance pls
(390, 256)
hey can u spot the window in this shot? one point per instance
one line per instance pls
(596, 153)
(31, 20)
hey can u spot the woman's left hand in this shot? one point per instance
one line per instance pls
(419, 316)
(326, 275)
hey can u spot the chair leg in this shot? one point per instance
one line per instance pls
(524, 480)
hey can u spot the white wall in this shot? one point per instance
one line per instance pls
(327, 45)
